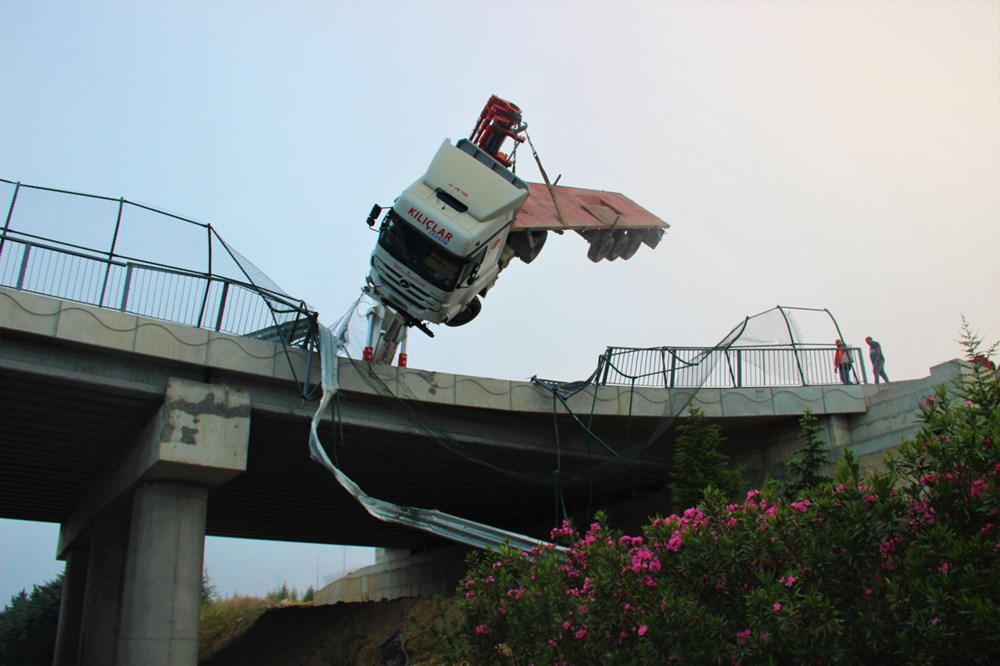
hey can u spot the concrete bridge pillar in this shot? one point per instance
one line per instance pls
(67, 651)
(162, 594)
(102, 602)
(142, 595)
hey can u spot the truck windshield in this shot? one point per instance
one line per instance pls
(420, 253)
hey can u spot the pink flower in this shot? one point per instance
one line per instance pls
(743, 636)
(936, 621)
(553, 642)
(482, 629)
(642, 630)
(945, 567)
(802, 506)
(581, 633)
(776, 607)
(979, 486)
(788, 581)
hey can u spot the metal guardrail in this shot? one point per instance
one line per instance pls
(726, 367)
(121, 255)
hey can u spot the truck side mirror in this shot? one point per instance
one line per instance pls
(372, 216)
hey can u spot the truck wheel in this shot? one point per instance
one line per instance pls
(470, 312)
(632, 244)
(619, 245)
(527, 245)
(600, 246)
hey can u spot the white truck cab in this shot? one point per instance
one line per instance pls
(443, 241)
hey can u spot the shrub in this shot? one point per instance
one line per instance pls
(902, 567)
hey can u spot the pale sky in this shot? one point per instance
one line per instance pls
(841, 155)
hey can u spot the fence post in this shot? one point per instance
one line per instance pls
(795, 347)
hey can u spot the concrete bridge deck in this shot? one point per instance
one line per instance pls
(78, 384)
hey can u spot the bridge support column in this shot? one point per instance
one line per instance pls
(148, 615)
(162, 594)
(71, 609)
(102, 602)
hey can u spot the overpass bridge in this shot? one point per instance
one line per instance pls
(141, 424)
(141, 436)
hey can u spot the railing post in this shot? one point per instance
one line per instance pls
(663, 366)
(729, 365)
(606, 360)
(222, 305)
(127, 287)
(739, 368)
(10, 212)
(111, 253)
(208, 282)
(24, 266)
(673, 368)
(861, 362)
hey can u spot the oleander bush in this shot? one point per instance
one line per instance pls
(901, 567)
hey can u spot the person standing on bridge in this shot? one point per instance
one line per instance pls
(878, 360)
(842, 362)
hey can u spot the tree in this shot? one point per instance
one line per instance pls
(279, 594)
(208, 591)
(698, 463)
(804, 467)
(28, 625)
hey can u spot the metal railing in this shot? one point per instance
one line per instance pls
(121, 255)
(726, 367)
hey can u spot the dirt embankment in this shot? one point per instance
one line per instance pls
(343, 634)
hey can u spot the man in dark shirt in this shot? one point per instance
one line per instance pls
(878, 360)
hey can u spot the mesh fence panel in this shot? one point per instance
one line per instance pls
(118, 254)
(150, 236)
(80, 222)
